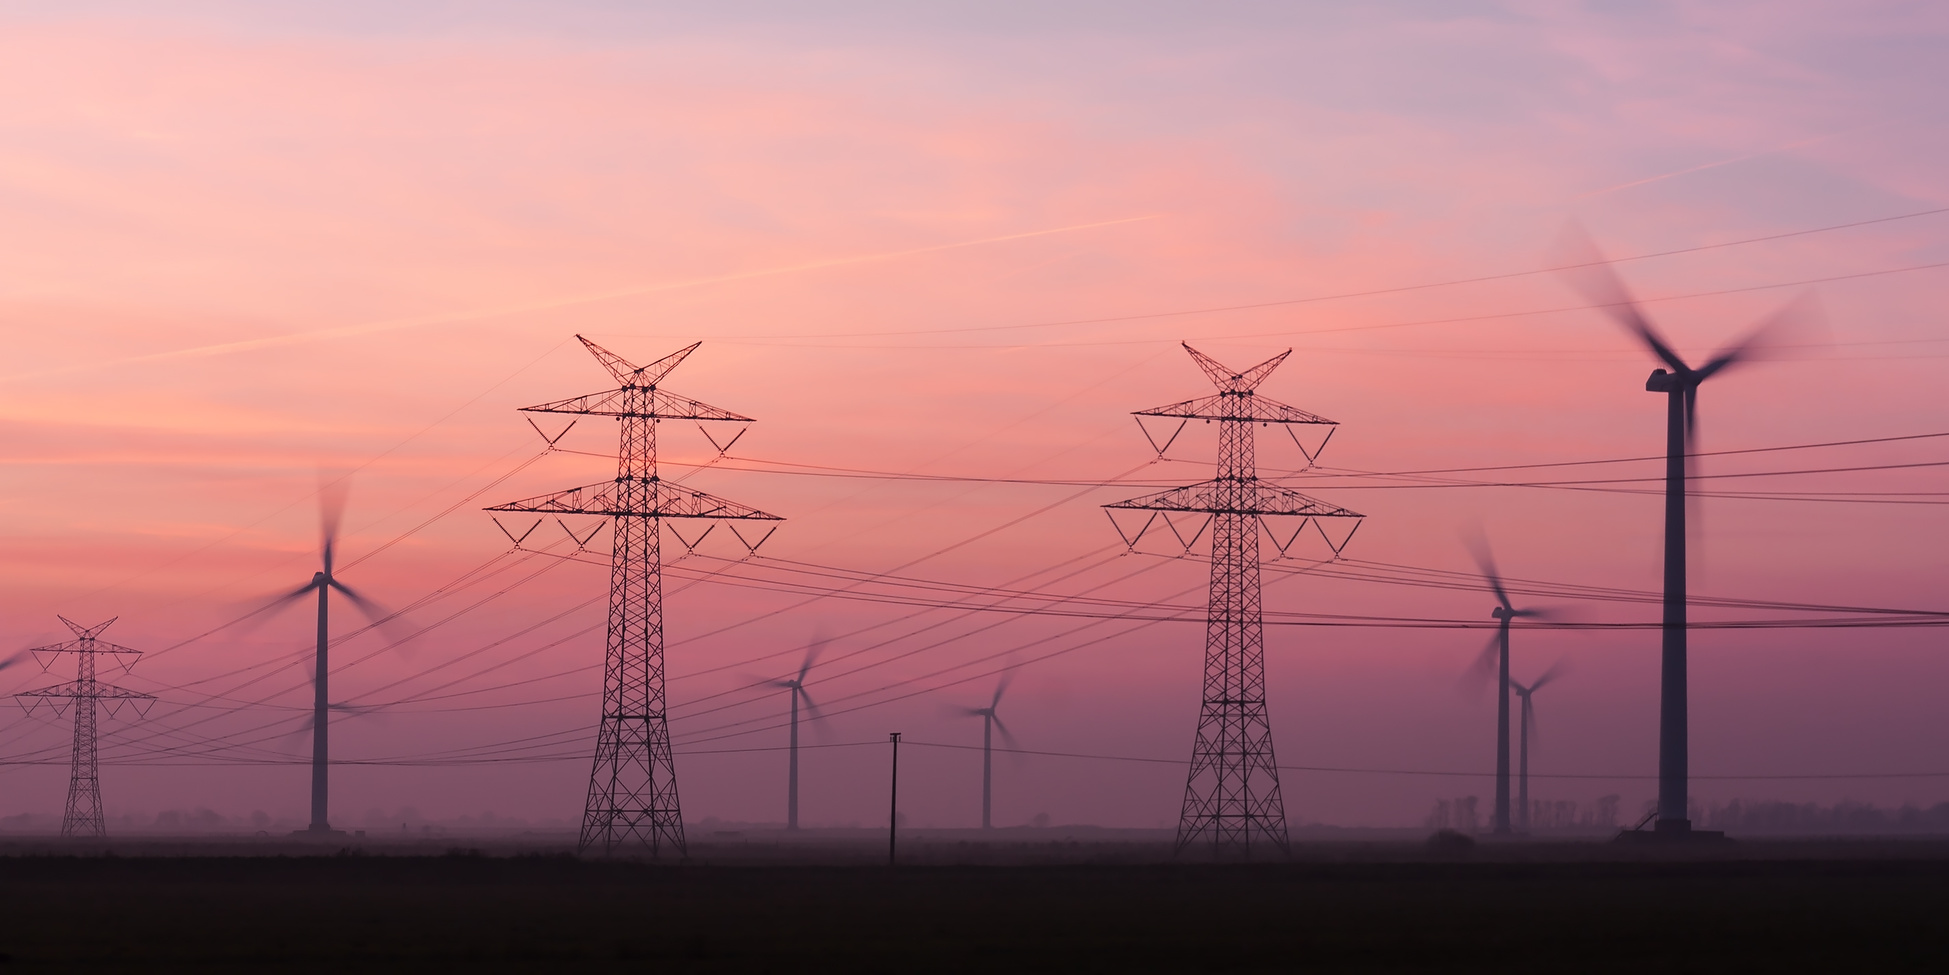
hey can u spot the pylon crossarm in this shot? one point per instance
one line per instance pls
(83, 646)
(1237, 408)
(1215, 497)
(662, 406)
(94, 689)
(670, 502)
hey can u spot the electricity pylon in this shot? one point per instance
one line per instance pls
(83, 815)
(633, 786)
(1231, 797)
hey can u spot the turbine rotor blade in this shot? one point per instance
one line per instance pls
(18, 656)
(1529, 716)
(812, 651)
(275, 603)
(1486, 561)
(1480, 673)
(1556, 670)
(1801, 314)
(331, 510)
(373, 611)
(1594, 277)
(1691, 418)
(1008, 677)
(1008, 740)
(382, 619)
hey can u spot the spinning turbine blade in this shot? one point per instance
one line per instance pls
(1483, 671)
(1486, 561)
(1598, 282)
(1556, 670)
(1008, 739)
(371, 610)
(18, 656)
(812, 712)
(331, 511)
(384, 620)
(1008, 676)
(812, 651)
(1801, 315)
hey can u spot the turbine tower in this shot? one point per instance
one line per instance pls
(1231, 795)
(324, 583)
(1529, 729)
(796, 687)
(632, 796)
(990, 723)
(1496, 655)
(1680, 384)
(82, 816)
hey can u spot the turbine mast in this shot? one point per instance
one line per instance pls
(321, 712)
(987, 768)
(1674, 757)
(1503, 616)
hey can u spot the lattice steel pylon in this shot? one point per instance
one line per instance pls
(1231, 796)
(633, 785)
(83, 815)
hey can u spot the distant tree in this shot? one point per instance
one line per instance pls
(1604, 811)
(1440, 817)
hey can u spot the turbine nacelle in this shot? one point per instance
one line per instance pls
(1664, 381)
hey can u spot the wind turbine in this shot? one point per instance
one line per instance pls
(796, 686)
(1680, 384)
(323, 582)
(990, 723)
(1496, 655)
(1529, 729)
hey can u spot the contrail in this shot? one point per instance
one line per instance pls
(545, 304)
(1727, 162)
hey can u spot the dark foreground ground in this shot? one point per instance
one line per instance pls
(1857, 907)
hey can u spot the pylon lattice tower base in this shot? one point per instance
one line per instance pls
(1232, 800)
(632, 799)
(82, 815)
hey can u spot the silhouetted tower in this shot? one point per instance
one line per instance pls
(1231, 798)
(633, 786)
(991, 722)
(83, 814)
(325, 582)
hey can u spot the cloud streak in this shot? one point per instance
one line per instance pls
(549, 304)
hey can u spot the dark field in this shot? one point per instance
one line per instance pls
(1353, 907)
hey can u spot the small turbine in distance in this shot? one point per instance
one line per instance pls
(1496, 656)
(1529, 731)
(796, 687)
(991, 722)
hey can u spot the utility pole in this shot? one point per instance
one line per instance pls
(893, 798)
(1231, 797)
(82, 817)
(632, 799)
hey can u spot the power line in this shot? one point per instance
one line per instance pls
(1398, 289)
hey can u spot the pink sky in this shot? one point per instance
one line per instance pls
(246, 243)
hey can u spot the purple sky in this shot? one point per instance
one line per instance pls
(244, 243)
